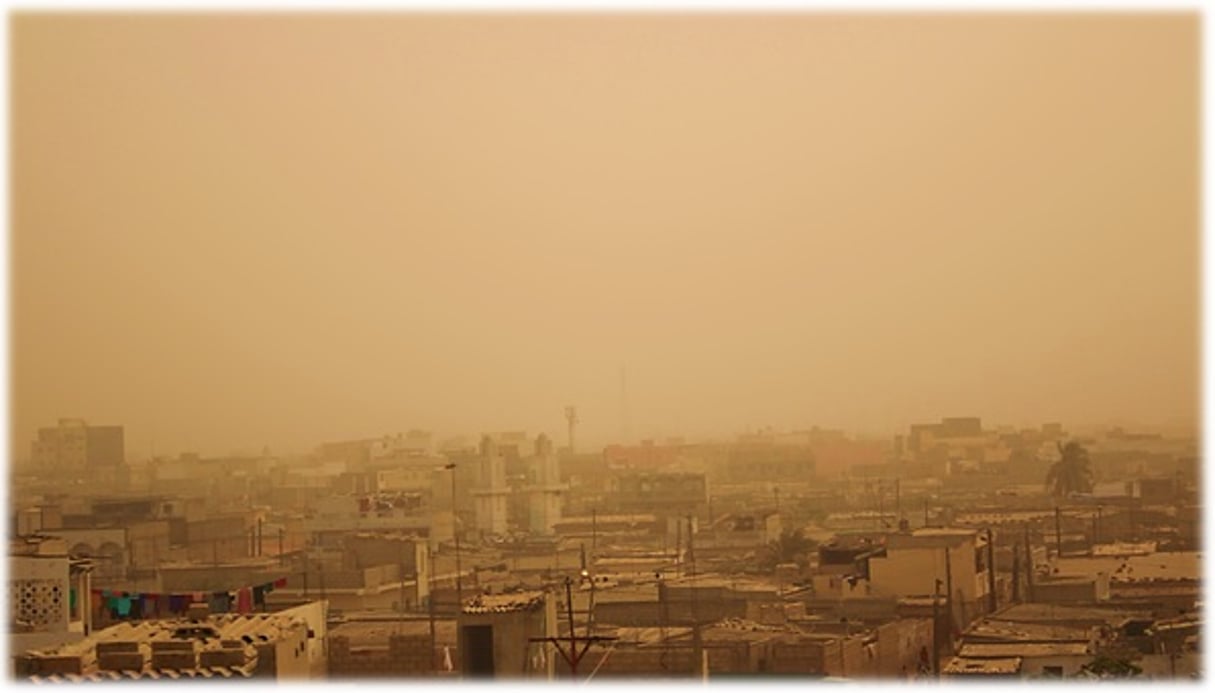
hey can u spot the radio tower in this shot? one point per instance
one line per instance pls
(571, 420)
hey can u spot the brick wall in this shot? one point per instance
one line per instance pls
(405, 655)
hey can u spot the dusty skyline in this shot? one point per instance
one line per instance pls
(231, 231)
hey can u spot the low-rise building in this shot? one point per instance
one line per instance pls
(285, 645)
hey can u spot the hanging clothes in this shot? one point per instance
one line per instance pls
(259, 595)
(220, 603)
(72, 599)
(281, 582)
(244, 600)
(122, 606)
(178, 603)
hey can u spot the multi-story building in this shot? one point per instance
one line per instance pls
(914, 562)
(662, 493)
(73, 445)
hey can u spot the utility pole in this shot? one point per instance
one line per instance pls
(575, 655)
(898, 502)
(1016, 573)
(697, 648)
(1029, 566)
(1097, 526)
(991, 572)
(949, 598)
(260, 522)
(1058, 533)
(401, 597)
(936, 625)
(430, 608)
(455, 530)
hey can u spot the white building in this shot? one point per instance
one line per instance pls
(50, 593)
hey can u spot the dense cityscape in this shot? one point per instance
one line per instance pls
(951, 550)
(597, 346)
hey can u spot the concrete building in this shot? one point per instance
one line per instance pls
(491, 491)
(544, 488)
(915, 560)
(73, 445)
(50, 593)
(1037, 660)
(663, 493)
(497, 636)
(287, 645)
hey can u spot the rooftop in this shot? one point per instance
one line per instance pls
(999, 650)
(221, 646)
(503, 603)
(992, 629)
(1047, 613)
(1177, 565)
(991, 667)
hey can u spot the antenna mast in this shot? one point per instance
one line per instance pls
(571, 420)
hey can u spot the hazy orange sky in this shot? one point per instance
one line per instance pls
(231, 231)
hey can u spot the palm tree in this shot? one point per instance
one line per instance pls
(1071, 474)
(793, 546)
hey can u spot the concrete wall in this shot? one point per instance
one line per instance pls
(209, 578)
(108, 546)
(303, 652)
(405, 655)
(223, 538)
(39, 587)
(899, 645)
(1032, 667)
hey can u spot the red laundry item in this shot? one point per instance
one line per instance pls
(244, 600)
(281, 582)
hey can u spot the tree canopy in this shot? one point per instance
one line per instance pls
(1072, 473)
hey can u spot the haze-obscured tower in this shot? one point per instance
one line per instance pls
(545, 488)
(490, 493)
(571, 420)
